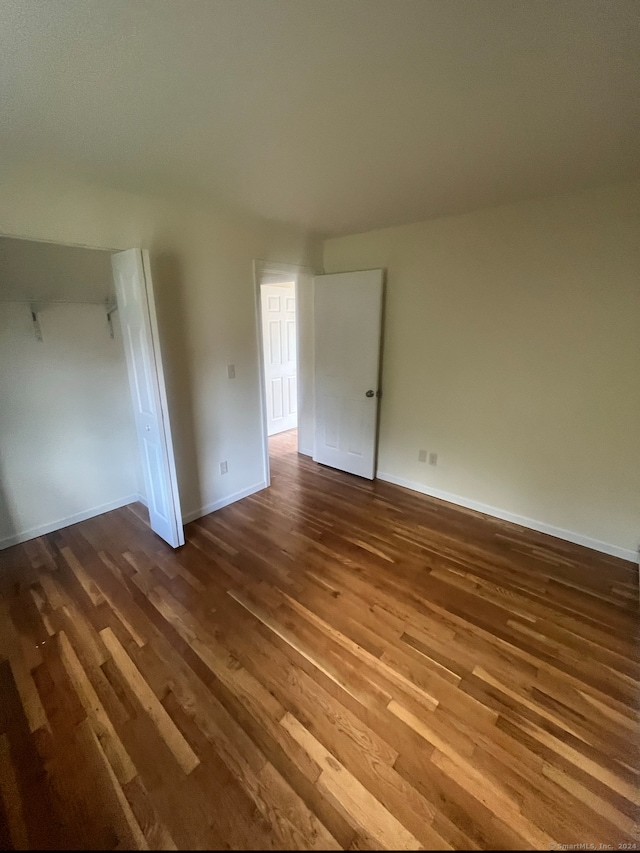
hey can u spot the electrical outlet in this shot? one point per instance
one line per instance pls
(231, 371)
(433, 459)
(422, 456)
(224, 467)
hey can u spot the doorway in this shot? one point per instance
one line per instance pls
(284, 337)
(338, 333)
(67, 435)
(70, 445)
(278, 322)
(279, 341)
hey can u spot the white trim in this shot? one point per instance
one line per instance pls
(70, 245)
(221, 502)
(306, 451)
(260, 269)
(52, 526)
(276, 268)
(141, 499)
(523, 521)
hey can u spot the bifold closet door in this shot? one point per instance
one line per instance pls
(136, 308)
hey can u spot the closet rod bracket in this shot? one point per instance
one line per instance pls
(36, 321)
(111, 306)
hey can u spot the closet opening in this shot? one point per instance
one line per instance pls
(70, 444)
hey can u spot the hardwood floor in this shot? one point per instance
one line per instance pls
(330, 663)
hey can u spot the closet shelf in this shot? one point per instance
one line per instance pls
(102, 302)
(109, 305)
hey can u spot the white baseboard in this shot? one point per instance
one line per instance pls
(305, 451)
(141, 500)
(230, 499)
(34, 532)
(531, 523)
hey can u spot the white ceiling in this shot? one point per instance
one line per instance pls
(335, 115)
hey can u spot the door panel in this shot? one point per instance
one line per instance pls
(141, 371)
(348, 328)
(280, 366)
(293, 395)
(276, 399)
(136, 310)
(291, 338)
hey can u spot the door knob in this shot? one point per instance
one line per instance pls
(370, 393)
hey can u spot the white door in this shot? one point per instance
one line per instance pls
(348, 328)
(136, 308)
(279, 341)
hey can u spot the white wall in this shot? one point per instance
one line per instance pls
(68, 446)
(202, 266)
(512, 349)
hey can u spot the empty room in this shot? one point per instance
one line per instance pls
(319, 424)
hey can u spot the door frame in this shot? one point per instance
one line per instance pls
(290, 272)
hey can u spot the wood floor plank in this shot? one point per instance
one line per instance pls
(184, 755)
(126, 826)
(87, 584)
(330, 663)
(350, 795)
(11, 799)
(12, 649)
(104, 729)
